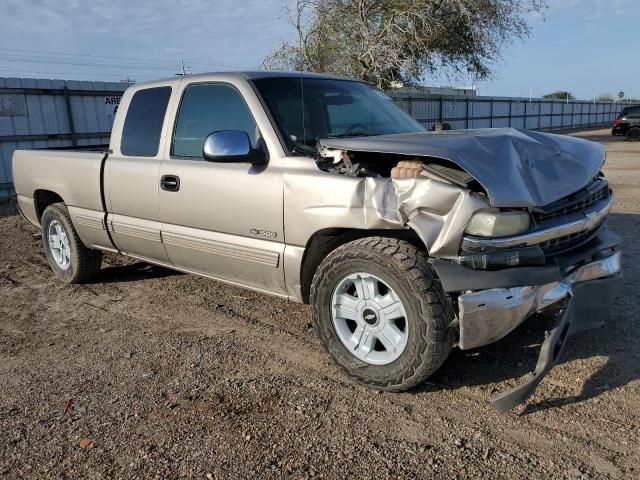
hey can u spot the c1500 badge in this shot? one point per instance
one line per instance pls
(263, 233)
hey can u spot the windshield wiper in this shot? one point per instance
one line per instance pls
(301, 147)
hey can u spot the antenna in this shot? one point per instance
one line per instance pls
(304, 133)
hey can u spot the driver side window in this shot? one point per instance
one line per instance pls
(208, 108)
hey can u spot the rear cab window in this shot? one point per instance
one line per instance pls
(143, 123)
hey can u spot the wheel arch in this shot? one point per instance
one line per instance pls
(42, 199)
(324, 241)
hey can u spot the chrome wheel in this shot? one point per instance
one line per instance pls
(369, 318)
(59, 245)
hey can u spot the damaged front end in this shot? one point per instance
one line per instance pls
(512, 220)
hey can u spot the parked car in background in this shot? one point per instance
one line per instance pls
(628, 123)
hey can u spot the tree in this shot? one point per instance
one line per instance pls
(620, 95)
(391, 42)
(561, 94)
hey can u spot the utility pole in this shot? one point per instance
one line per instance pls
(184, 72)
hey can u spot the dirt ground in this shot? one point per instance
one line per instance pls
(148, 373)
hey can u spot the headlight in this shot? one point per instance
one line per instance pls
(494, 223)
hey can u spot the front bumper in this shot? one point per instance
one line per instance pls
(587, 307)
(578, 287)
(619, 129)
(488, 315)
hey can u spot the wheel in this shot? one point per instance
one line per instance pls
(70, 259)
(381, 313)
(633, 133)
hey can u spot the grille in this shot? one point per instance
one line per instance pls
(559, 245)
(596, 191)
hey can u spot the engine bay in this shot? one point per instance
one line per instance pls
(386, 165)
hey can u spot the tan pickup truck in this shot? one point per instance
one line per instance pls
(319, 189)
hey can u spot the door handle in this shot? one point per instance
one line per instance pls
(170, 183)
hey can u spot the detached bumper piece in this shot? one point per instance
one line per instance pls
(582, 299)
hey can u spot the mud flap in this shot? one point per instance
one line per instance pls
(554, 342)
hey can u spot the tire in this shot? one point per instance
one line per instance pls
(633, 133)
(403, 270)
(78, 263)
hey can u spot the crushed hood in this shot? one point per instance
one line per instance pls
(517, 168)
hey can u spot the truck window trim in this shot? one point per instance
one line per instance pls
(162, 125)
(272, 121)
(172, 155)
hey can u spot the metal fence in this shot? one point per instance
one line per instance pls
(494, 112)
(37, 113)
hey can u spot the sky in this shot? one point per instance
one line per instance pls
(588, 47)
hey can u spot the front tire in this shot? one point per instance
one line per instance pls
(69, 258)
(633, 133)
(381, 313)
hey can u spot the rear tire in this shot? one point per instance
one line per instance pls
(398, 274)
(69, 258)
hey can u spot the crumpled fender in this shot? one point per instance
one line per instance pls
(315, 201)
(438, 212)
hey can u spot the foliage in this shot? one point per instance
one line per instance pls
(604, 97)
(399, 42)
(561, 94)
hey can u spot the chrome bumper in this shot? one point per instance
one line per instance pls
(488, 315)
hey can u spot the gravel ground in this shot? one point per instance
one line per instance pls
(148, 373)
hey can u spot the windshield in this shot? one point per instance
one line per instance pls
(306, 109)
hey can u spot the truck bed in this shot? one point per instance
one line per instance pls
(73, 175)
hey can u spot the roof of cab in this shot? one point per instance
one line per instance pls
(248, 75)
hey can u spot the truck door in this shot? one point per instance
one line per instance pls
(223, 220)
(131, 176)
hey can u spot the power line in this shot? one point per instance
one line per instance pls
(96, 68)
(66, 74)
(42, 58)
(68, 54)
(84, 64)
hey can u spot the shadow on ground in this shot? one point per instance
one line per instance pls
(133, 273)
(596, 135)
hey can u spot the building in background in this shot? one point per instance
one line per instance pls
(437, 91)
(40, 113)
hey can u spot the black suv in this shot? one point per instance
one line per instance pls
(627, 123)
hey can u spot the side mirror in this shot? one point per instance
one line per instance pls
(231, 146)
